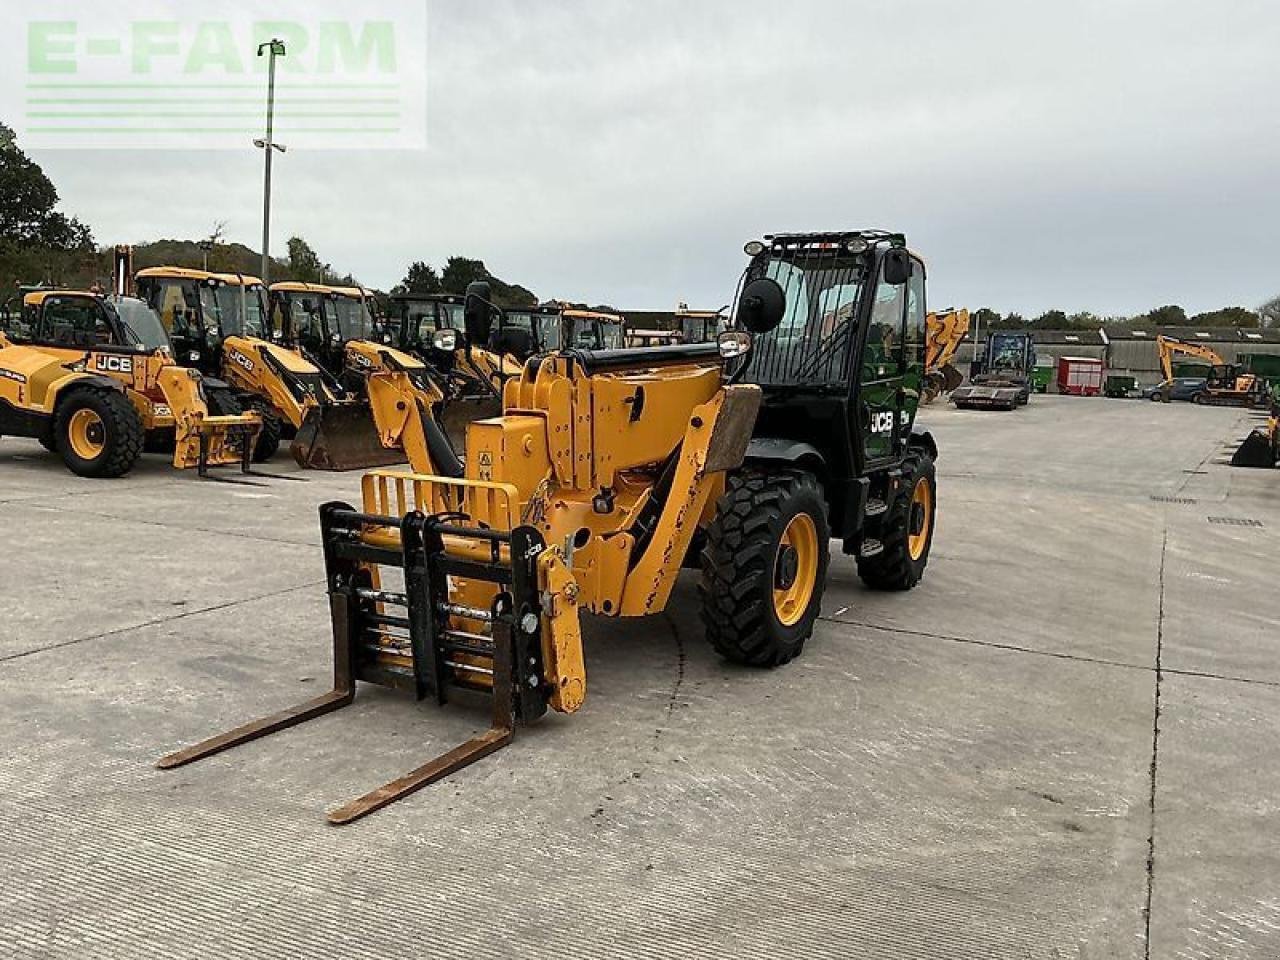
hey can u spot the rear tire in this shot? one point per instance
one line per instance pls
(764, 566)
(98, 433)
(906, 530)
(269, 437)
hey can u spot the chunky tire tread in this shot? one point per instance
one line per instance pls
(738, 562)
(125, 434)
(893, 569)
(269, 438)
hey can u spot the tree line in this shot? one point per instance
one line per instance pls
(1170, 315)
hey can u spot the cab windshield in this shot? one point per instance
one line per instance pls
(812, 343)
(450, 316)
(239, 309)
(354, 321)
(178, 302)
(142, 324)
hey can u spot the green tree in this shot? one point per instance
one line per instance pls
(27, 201)
(1166, 316)
(1084, 320)
(420, 278)
(459, 272)
(1050, 320)
(304, 264)
(985, 318)
(1227, 317)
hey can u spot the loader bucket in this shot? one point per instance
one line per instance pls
(951, 377)
(342, 436)
(1258, 450)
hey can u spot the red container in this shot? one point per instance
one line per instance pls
(1080, 376)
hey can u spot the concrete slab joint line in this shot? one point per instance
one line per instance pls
(310, 585)
(1155, 753)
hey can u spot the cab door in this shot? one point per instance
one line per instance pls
(880, 402)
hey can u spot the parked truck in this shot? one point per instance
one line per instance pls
(1005, 380)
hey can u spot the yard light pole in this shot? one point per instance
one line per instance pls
(274, 48)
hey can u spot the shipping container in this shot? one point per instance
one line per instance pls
(1080, 376)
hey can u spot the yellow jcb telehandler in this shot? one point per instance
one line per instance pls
(609, 470)
(92, 378)
(946, 330)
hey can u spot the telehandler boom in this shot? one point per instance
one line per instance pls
(609, 470)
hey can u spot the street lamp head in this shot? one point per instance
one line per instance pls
(275, 46)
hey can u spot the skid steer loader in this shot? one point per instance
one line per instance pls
(218, 323)
(609, 470)
(92, 377)
(337, 328)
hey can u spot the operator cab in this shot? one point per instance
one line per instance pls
(74, 319)
(199, 310)
(843, 368)
(421, 317)
(321, 320)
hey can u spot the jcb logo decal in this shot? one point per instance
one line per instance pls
(361, 360)
(111, 364)
(239, 358)
(882, 422)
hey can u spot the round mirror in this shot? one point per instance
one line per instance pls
(762, 305)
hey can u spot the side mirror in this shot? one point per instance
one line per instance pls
(897, 267)
(733, 344)
(476, 317)
(446, 341)
(762, 305)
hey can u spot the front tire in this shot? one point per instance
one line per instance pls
(98, 433)
(764, 566)
(906, 531)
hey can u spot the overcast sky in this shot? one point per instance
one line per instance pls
(1109, 155)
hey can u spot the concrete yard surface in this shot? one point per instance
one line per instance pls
(1062, 744)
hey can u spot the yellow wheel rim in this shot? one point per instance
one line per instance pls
(795, 569)
(922, 501)
(87, 434)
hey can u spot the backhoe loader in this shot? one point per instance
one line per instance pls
(92, 377)
(218, 324)
(946, 329)
(337, 328)
(1225, 385)
(609, 470)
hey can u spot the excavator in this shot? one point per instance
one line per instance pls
(92, 377)
(611, 469)
(218, 323)
(338, 329)
(1226, 385)
(945, 331)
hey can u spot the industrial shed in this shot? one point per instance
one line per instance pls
(1133, 351)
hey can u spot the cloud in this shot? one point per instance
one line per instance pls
(1108, 156)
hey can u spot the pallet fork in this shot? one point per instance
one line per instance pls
(418, 650)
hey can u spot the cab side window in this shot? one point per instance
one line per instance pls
(76, 323)
(914, 339)
(882, 355)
